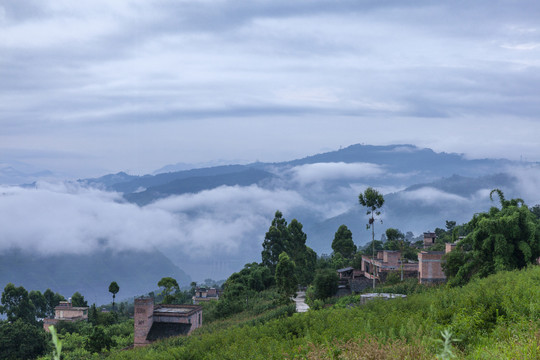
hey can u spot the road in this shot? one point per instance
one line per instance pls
(300, 301)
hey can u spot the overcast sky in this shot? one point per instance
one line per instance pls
(93, 87)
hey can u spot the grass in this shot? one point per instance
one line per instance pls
(494, 318)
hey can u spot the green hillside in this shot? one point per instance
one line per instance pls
(493, 318)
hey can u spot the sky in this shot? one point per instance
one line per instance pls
(95, 87)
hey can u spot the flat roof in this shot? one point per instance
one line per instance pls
(173, 310)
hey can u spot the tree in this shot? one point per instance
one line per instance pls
(98, 340)
(303, 256)
(373, 201)
(343, 242)
(93, 316)
(535, 210)
(501, 239)
(450, 225)
(16, 304)
(275, 241)
(39, 302)
(52, 300)
(193, 288)
(113, 289)
(168, 284)
(325, 283)
(21, 340)
(78, 300)
(285, 276)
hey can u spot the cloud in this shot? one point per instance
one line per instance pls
(69, 218)
(104, 79)
(432, 196)
(318, 172)
(528, 182)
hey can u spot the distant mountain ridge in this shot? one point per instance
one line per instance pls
(136, 272)
(422, 189)
(403, 158)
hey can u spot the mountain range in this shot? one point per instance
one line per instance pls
(216, 217)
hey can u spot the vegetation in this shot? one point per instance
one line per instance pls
(114, 289)
(343, 242)
(325, 284)
(493, 313)
(494, 318)
(285, 276)
(290, 239)
(373, 201)
(501, 239)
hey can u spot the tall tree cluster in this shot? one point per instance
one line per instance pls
(290, 239)
(501, 239)
(343, 242)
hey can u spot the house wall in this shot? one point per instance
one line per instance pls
(429, 239)
(143, 319)
(70, 313)
(391, 257)
(449, 247)
(429, 267)
(194, 319)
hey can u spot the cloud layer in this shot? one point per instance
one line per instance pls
(67, 218)
(91, 88)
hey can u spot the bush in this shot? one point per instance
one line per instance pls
(325, 284)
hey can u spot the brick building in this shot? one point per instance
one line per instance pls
(429, 239)
(203, 294)
(429, 267)
(385, 262)
(65, 311)
(154, 322)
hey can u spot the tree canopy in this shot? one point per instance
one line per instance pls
(373, 201)
(501, 239)
(325, 283)
(169, 285)
(290, 239)
(16, 304)
(113, 289)
(78, 300)
(343, 242)
(285, 276)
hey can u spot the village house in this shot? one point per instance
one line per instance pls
(428, 269)
(384, 263)
(430, 265)
(429, 239)
(65, 311)
(351, 280)
(154, 322)
(203, 295)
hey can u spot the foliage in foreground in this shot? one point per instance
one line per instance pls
(494, 318)
(501, 239)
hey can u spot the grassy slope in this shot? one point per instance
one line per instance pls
(494, 318)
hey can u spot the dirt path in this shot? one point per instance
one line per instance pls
(300, 301)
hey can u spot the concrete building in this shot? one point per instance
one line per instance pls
(65, 311)
(203, 294)
(387, 261)
(429, 239)
(429, 267)
(154, 322)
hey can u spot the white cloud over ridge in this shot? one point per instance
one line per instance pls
(317, 172)
(68, 218)
(431, 196)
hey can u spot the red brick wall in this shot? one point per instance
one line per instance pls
(429, 267)
(144, 309)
